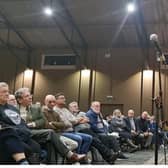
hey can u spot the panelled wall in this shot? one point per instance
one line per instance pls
(116, 80)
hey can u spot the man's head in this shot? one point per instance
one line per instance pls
(144, 115)
(60, 99)
(117, 113)
(95, 106)
(50, 101)
(12, 100)
(23, 97)
(73, 107)
(130, 113)
(4, 92)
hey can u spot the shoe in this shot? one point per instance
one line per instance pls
(112, 158)
(134, 149)
(122, 156)
(86, 160)
(77, 157)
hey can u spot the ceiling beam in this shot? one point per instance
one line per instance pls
(70, 18)
(10, 49)
(142, 32)
(12, 27)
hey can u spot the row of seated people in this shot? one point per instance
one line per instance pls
(140, 130)
(52, 127)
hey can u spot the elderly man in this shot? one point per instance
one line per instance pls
(144, 132)
(132, 127)
(15, 139)
(98, 126)
(35, 120)
(53, 121)
(12, 100)
(84, 127)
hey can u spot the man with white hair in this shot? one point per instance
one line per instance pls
(15, 138)
(98, 126)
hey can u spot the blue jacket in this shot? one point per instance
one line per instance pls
(96, 124)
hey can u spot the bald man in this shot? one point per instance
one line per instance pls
(53, 121)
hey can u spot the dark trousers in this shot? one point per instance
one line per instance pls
(99, 143)
(10, 144)
(125, 134)
(111, 142)
(52, 139)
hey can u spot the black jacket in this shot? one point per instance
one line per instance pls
(10, 118)
(143, 125)
(128, 124)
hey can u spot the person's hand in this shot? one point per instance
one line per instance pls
(146, 133)
(31, 125)
(85, 120)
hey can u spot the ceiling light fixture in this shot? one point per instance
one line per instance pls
(131, 7)
(48, 11)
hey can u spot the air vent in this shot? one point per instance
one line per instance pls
(62, 61)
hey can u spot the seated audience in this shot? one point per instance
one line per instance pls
(84, 127)
(118, 124)
(35, 120)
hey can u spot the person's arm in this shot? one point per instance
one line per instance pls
(93, 124)
(39, 119)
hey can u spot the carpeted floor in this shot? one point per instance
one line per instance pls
(144, 157)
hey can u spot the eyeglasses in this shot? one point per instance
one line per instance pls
(51, 101)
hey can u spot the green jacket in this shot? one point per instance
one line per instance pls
(35, 115)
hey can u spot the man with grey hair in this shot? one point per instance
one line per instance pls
(35, 120)
(15, 138)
